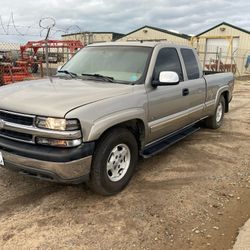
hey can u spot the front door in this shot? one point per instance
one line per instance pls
(175, 106)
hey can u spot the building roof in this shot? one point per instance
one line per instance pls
(94, 32)
(224, 23)
(161, 30)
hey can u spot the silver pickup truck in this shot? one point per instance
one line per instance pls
(108, 105)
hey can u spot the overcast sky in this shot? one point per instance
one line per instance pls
(185, 16)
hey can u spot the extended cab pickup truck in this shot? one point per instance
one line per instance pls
(108, 105)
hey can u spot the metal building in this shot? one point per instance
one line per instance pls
(93, 37)
(223, 47)
(149, 33)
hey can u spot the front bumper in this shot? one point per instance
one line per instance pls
(52, 164)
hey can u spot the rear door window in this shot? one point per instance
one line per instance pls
(191, 64)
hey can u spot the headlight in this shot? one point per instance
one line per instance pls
(57, 123)
(58, 142)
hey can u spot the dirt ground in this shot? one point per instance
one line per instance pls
(193, 196)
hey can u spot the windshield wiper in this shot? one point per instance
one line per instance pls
(106, 78)
(73, 75)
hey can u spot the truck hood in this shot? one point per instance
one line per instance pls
(41, 97)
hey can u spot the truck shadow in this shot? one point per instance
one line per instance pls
(169, 184)
(24, 191)
(34, 198)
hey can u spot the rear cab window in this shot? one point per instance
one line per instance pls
(191, 64)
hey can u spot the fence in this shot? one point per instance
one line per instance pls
(31, 62)
(214, 58)
(223, 58)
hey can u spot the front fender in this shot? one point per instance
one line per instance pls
(102, 124)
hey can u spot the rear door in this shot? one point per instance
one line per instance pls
(195, 83)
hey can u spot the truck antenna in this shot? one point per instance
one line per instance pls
(47, 23)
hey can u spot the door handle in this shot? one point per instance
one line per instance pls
(185, 92)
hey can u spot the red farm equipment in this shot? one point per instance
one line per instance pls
(32, 56)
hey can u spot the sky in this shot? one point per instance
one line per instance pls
(19, 20)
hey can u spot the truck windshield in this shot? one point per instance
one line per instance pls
(125, 64)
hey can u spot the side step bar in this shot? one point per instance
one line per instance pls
(168, 141)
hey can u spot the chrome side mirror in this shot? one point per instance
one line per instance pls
(167, 78)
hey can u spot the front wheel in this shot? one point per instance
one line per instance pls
(215, 121)
(113, 162)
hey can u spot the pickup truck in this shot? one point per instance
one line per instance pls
(108, 105)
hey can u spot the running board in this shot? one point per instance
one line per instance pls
(168, 141)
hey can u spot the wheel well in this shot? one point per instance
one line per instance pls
(226, 97)
(135, 126)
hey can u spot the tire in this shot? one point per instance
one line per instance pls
(114, 161)
(216, 120)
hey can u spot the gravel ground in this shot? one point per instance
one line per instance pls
(195, 195)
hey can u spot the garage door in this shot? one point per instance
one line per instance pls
(220, 47)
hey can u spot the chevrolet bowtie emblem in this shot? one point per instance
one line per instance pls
(1, 124)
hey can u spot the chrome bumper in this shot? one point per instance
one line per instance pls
(76, 171)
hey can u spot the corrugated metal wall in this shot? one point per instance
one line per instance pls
(148, 34)
(240, 54)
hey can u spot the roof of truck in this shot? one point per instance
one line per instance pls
(139, 44)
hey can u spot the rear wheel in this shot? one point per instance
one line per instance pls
(113, 162)
(215, 121)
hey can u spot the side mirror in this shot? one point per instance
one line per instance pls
(167, 78)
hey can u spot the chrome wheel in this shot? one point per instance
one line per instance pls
(118, 162)
(219, 112)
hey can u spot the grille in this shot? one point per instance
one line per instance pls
(16, 118)
(17, 135)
